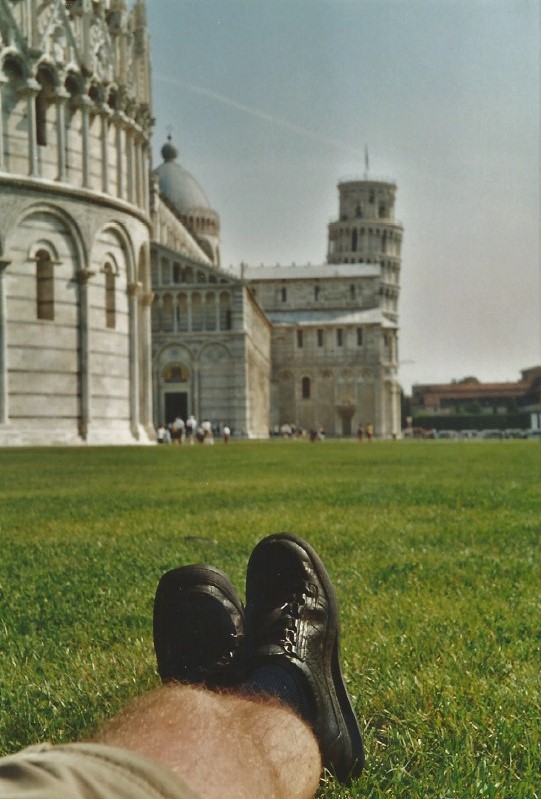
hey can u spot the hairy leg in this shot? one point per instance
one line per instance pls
(223, 745)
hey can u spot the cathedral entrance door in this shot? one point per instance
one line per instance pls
(346, 412)
(176, 404)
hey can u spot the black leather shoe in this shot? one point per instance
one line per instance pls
(198, 627)
(292, 617)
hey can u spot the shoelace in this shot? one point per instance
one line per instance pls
(281, 627)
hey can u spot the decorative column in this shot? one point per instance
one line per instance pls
(4, 409)
(130, 182)
(139, 198)
(83, 276)
(145, 176)
(30, 91)
(146, 362)
(133, 293)
(120, 119)
(61, 97)
(2, 83)
(86, 102)
(105, 114)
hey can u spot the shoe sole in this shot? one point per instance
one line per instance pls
(345, 765)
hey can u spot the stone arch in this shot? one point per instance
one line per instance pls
(126, 244)
(42, 244)
(173, 352)
(173, 396)
(214, 352)
(63, 224)
(46, 252)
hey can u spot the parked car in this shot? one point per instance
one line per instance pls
(515, 432)
(446, 434)
(469, 434)
(492, 433)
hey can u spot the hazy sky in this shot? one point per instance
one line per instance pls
(272, 102)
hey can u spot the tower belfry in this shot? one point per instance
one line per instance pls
(367, 232)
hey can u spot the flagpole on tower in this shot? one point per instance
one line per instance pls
(366, 160)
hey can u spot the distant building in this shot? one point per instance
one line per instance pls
(472, 396)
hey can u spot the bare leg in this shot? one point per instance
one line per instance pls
(224, 746)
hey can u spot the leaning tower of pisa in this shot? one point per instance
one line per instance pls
(367, 232)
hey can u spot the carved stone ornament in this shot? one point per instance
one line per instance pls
(83, 275)
(59, 45)
(134, 289)
(101, 52)
(55, 32)
(46, 14)
(148, 298)
(214, 355)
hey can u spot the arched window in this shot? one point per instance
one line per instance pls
(44, 285)
(306, 388)
(354, 240)
(110, 296)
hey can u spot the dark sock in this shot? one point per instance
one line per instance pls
(285, 682)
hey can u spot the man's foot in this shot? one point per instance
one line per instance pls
(292, 624)
(198, 627)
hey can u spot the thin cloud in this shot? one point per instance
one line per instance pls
(258, 114)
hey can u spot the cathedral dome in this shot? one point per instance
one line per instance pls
(176, 183)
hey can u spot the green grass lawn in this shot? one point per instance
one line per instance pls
(433, 548)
